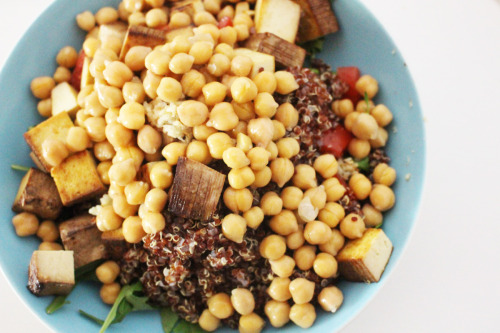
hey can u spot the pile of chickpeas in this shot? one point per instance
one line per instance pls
(235, 118)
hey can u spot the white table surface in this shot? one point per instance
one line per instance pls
(448, 279)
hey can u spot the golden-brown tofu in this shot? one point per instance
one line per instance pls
(139, 35)
(189, 7)
(280, 17)
(77, 179)
(196, 190)
(38, 194)
(364, 259)
(80, 235)
(285, 53)
(261, 61)
(115, 243)
(55, 127)
(51, 273)
(317, 20)
(64, 99)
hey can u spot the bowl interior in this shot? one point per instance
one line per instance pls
(361, 42)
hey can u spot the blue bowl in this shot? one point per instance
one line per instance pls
(361, 42)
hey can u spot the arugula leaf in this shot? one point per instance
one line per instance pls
(378, 226)
(315, 70)
(83, 273)
(364, 164)
(19, 167)
(185, 327)
(91, 317)
(314, 46)
(367, 101)
(168, 319)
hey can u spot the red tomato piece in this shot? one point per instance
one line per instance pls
(76, 76)
(335, 141)
(225, 21)
(350, 75)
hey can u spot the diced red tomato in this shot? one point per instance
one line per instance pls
(225, 21)
(350, 75)
(335, 141)
(76, 76)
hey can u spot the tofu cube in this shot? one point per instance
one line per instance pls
(318, 20)
(280, 17)
(139, 35)
(64, 99)
(51, 273)
(80, 235)
(56, 127)
(77, 179)
(364, 259)
(285, 53)
(115, 243)
(189, 7)
(116, 30)
(261, 61)
(38, 195)
(87, 78)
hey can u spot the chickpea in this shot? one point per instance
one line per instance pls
(317, 232)
(192, 113)
(169, 90)
(265, 105)
(284, 223)
(117, 74)
(222, 117)
(181, 63)
(277, 313)
(149, 139)
(180, 44)
(54, 151)
(296, 239)
(155, 200)
(271, 203)
(214, 93)
(104, 151)
(131, 152)
(350, 119)
(220, 306)
(50, 246)
(109, 292)
(279, 130)
(251, 323)
(243, 90)
(358, 148)
(173, 151)
(157, 61)
(372, 216)
(382, 197)
(96, 128)
(243, 142)
(48, 231)
(208, 321)
(25, 224)
(342, 107)
(265, 82)
(241, 127)
(133, 6)
(367, 85)
(109, 97)
(77, 139)
(156, 17)
(243, 18)
(258, 158)
(288, 147)
(305, 177)
(118, 135)
(283, 267)
(135, 192)
(155, 3)
(218, 64)
(254, 217)
(332, 214)
(123, 208)
(225, 49)
(106, 15)
(234, 227)
(122, 12)
(107, 272)
(202, 132)
(303, 315)
(285, 82)
(334, 190)
(132, 229)
(365, 127)
(241, 65)
(282, 171)
(244, 111)
(238, 200)
(62, 74)
(279, 289)
(325, 265)
(192, 83)
(304, 257)
(44, 107)
(161, 175)
(330, 299)
(218, 143)
(326, 165)
(235, 158)
(135, 58)
(123, 172)
(241, 178)
(90, 46)
(153, 222)
(360, 185)
(302, 290)
(384, 174)
(201, 51)
(107, 219)
(272, 247)
(228, 11)
(198, 151)
(179, 20)
(334, 244)
(67, 57)
(382, 115)
(242, 301)
(102, 170)
(291, 197)
(85, 20)
(262, 177)
(380, 139)
(93, 107)
(41, 87)
(352, 226)
(137, 18)
(317, 197)
(242, 32)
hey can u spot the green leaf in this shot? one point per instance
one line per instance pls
(185, 327)
(168, 319)
(315, 70)
(57, 303)
(96, 320)
(378, 225)
(87, 272)
(314, 46)
(367, 101)
(19, 167)
(364, 164)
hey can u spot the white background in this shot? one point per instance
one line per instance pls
(449, 277)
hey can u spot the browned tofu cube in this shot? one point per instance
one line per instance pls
(189, 7)
(317, 20)
(144, 36)
(115, 243)
(281, 17)
(196, 190)
(55, 127)
(51, 273)
(38, 194)
(364, 259)
(80, 235)
(285, 53)
(77, 179)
